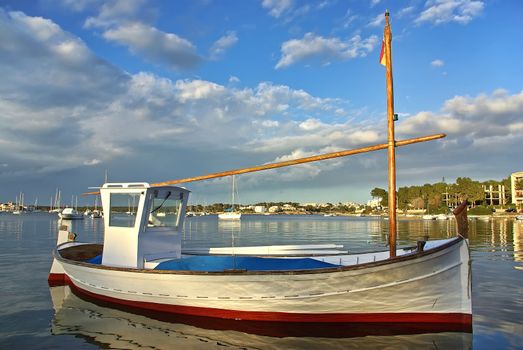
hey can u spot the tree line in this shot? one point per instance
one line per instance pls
(443, 195)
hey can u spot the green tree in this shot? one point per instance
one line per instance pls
(381, 194)
(469, 189)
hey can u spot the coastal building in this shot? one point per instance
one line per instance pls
(274, 209)
(9, 206)
(374, 203)
(516, 188)
(495, 194)
(288, 207)
(260, 209)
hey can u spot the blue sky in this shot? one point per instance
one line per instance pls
(159, 90)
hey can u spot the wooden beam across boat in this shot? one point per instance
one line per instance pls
(298, 161)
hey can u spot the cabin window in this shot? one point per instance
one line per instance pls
(165, 209)
(123, 209)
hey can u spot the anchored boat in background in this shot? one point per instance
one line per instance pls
(141, 263)
(231, 214)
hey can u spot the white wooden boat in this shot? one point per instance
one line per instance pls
(428, 217)
(70, 214)
(141, 263)
(519, 217)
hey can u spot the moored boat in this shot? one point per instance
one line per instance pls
(70, 214)
(141, 263)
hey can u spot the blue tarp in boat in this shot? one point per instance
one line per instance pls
(221, 263)
(96, 260)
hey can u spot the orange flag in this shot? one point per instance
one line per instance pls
(383, 59)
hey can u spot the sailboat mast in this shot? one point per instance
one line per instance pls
(233, 193)
(390, 138)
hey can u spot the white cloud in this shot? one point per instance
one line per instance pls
(114, 12)
(277, 8)
(190, 90)
(377, 21)
(374, 3)
(222, 44)
(79, 5)
(315, 47)
(310, 124)
(138, 112)
(270, 123)
(92, 162)
(234, 79)
(125, 22)
(474, 119)
(437, 63)
(443, 11)
(155, 45)
(406, 11)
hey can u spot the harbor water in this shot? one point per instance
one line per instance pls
(36, 316)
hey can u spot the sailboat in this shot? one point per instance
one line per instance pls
(95, 214)
(19, 206)
(141, 263)
(71, 213)
(231, 215)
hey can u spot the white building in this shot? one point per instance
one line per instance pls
(373, 203)
(274, 209)
(260, 209)
(517, 194)
(288, 207)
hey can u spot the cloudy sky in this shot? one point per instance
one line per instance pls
(159, 90)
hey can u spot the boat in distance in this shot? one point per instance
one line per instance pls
(141, 263)
(70, 214)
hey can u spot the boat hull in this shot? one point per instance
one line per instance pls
(428, 287)
(230, 216)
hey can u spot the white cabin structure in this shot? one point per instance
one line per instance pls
(152, 232)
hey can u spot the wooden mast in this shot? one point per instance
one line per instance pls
(387, 38)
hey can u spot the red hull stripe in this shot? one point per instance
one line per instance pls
(57, 279)
(407, 317)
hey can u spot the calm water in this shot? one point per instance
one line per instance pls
(38, 317)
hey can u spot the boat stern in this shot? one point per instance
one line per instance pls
(64, 239)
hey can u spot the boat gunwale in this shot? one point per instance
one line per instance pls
(397, 259)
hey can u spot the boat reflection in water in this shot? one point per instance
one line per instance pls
(110, 327)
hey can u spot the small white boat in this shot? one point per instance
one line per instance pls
(230, 216)
(329, 215)
(95, 214)
(141, 263)
(519, 217)
(70, 214)
(442, 217)
(428, 217)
